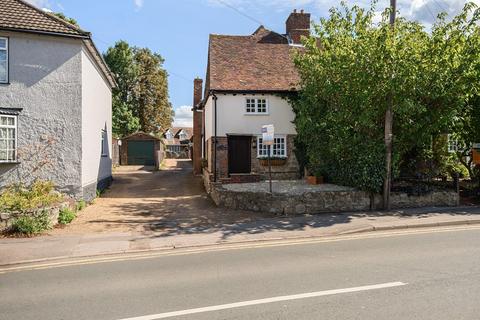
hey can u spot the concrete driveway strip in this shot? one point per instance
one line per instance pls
(442, 271)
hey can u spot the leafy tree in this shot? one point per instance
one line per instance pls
(353, 68)
(120, 59)
(140, 101)
(151, 92)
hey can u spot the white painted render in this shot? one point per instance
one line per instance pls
(233, 119)
(96, 117)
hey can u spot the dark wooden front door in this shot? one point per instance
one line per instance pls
(239, 154)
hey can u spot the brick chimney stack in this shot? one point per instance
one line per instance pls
(197, 126)
(298, 25)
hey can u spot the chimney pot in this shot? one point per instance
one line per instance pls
(294, 10)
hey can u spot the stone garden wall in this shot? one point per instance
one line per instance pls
(7, 218)
(295, 198)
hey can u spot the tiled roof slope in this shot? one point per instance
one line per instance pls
(259, 62)
(20, 15)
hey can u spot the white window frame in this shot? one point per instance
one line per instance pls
(256, 99)
(14, 126)
(104, 150)
(264, 156)
(7, 61)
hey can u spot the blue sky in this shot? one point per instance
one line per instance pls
(179, 29)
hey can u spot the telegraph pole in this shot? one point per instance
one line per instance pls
(387, 184)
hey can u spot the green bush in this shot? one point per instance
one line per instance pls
(19, 198)
(31, 224)
(66, 216)
(81, 205)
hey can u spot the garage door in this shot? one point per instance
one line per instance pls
(141, 153)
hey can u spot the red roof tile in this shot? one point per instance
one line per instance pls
(259, 62)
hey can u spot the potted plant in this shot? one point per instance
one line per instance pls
(313, 179)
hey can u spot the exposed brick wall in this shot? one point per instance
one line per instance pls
(290, 170)
(298, 25)
(197, 127)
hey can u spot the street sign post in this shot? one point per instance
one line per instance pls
(268, 138)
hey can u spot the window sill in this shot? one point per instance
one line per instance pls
(256, 114)
(9, 162)
(4, 83)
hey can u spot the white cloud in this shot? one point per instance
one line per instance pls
(45, 4)
(424, 11)
(138, 4)
(183, 117)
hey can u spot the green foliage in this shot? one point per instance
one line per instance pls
(140, 102)
(354, 68)
(67, 19)
(80, 205)
(66, 216)
(31, 224)
(19, 198)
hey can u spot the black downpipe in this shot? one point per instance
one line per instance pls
(215, 135)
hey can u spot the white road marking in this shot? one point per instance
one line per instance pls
(267, 300)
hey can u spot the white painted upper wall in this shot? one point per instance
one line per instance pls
(96, 117)
(233, 119)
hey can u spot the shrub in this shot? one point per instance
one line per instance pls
(31, 224)
(19, 198)
(81, 205)
(66, 216)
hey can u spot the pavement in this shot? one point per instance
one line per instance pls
(418, 274)
(162, 210)
(65, 246)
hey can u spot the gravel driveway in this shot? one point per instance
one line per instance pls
(170, 201)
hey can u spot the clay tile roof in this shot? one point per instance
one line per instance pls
(20, 15)
(259, 62)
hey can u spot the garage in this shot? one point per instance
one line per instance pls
(140, 149)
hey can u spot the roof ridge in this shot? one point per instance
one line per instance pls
(55, 18)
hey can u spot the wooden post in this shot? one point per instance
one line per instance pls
(387, 184)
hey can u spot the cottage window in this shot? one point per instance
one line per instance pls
(278, 149)
(3, 60)
(256, 106)
(8, 138)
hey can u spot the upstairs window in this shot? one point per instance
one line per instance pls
(278, 149)
(3, 60)
(8, 138)
(453, 145)
(169, 135)
(256, 106)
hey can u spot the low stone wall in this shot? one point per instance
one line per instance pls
(7, 218)
(295, 198)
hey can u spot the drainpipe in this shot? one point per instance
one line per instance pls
(215, 134)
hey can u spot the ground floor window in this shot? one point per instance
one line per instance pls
(104, 143)
(278, 149)
(8, 138)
